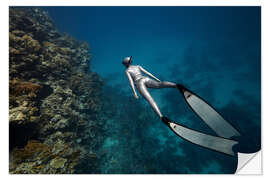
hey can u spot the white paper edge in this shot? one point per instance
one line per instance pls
(249, 163)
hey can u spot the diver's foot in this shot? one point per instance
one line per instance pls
(165, 120)
(180, 87)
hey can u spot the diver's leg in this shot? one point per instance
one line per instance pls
(150, 83)
(145, 94)
(168, 84)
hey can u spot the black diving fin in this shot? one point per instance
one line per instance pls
(215, 143)
(208, 114)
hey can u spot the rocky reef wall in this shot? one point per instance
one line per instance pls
(54, 99)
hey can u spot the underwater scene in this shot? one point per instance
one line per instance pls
(72, 108)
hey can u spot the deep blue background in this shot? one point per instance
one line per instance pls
(214, 51)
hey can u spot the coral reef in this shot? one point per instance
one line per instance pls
(37, 157)
(53, 98)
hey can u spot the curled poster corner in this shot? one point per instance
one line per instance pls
(249, 163)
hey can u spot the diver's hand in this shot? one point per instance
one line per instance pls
(136, 96)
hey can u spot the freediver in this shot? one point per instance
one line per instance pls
(224, 130)
(134, 74)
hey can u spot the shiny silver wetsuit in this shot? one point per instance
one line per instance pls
(134, 74)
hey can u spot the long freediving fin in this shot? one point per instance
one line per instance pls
(215, 143)
(208, 114)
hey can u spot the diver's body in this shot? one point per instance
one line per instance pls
(221, 143)
(134, 74)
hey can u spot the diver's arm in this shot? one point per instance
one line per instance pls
(148, 73)
(132, 84)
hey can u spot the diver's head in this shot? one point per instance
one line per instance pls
(127, 61)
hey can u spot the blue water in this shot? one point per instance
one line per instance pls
(214, 51)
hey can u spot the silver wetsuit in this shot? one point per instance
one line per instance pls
(134, 74)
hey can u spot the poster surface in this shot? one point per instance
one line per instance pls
(134, 90)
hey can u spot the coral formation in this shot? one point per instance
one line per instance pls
(53, 98)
